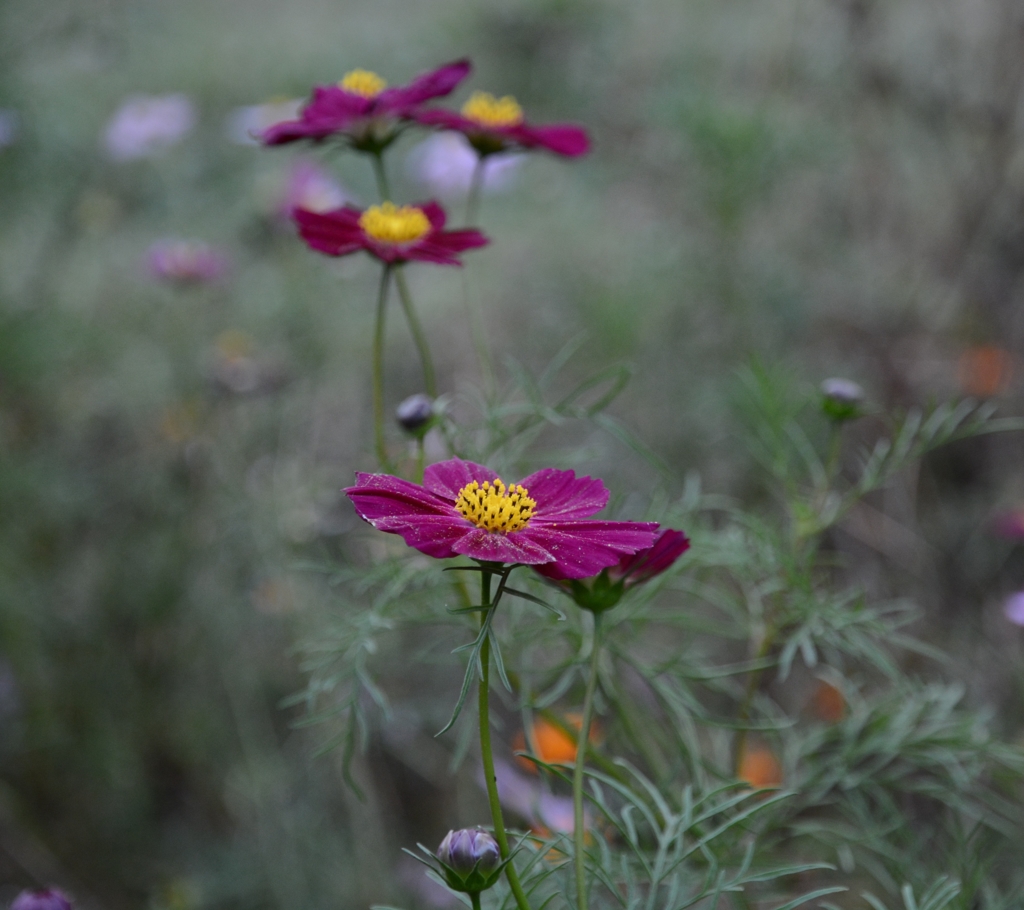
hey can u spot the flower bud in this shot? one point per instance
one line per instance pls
(49, 899)
(841, 399)
(603, 591)
(471, 859)
(415, 414)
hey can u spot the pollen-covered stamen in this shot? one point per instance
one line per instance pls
(485, 109)
(394, 224)
(364, 83)
(494, 508)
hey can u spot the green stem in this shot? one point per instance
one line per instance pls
(743, 716)
(476, 184)
(579, 833)
(476, 327)
(485, 747)
(378, 371)
(421, 459)
(382, 177)
(474, 897)
(429, 380)
(834, 450)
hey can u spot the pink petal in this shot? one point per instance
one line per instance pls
(563, 495)
(446, 478)
(434, 535)
(646, 564)
(435, 214)
(562, 139)
(381, 496)
(492, 547)
(429, 85)
(336, 233)
(583, 548)
(331, 110)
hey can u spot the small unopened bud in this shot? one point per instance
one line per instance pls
(471, 859)
(841, 399)
(50, 899)
(415, 414)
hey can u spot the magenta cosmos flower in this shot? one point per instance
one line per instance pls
(464, 509)
(390, 232)
(497, 124)
(362, 109)
(605, 590)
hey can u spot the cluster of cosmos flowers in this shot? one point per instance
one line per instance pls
(367, 115)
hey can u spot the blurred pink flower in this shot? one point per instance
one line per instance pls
(527, 798)
(444, 164)
(47, 899)
(245, 125)
(146, 125)
(1013, 609)
(310, 187)
(1009, 524)
(185, 262)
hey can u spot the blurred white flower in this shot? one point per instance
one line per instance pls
(310, 187)
(1013, 609)
(10, 124)
(244, 125)
(146, 125)
(444, 164)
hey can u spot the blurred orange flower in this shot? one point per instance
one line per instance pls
(985, 370)
(760, 768)
(553, 744)
(828, 703)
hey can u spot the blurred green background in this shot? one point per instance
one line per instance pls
(835, 187)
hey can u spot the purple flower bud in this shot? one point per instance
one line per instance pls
(470, 858)
(49, 899)
(415, 413)
(841, 398)
(644, 565)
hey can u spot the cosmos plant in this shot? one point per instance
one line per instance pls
(549, 523)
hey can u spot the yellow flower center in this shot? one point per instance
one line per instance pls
(485, 109)
(492, 507)
(394, 224)
(363, 82)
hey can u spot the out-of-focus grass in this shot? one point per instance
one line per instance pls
(834, 186)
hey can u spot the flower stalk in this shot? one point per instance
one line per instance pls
(486, 753)
(380, 445)
(753, 684)
(579, 832)
(429, 377)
